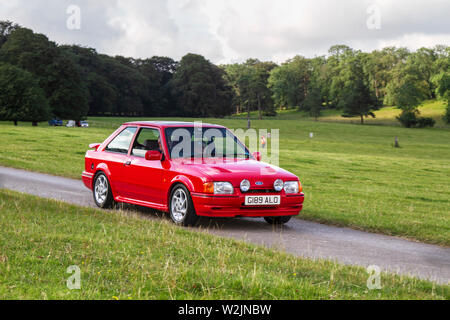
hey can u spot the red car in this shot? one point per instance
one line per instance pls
(189, 171)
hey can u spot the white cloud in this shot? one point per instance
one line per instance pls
(234, 30)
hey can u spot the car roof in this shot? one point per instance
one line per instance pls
(171, 124)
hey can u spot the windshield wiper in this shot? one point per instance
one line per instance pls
(236, 155)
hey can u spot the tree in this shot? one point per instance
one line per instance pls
(56, 70)
(102, 94)
(234, 74)
(158, 72)
(337, 62)
(313, 101)
(289, 82)
(6, 27)
(424, 61)
(69, 93)
(21, 98)
(258, 95)
(407, 89)
(444, 93)
(349, 89)
(200, 88)
(166, 68)
(320, 80)
(378, 67)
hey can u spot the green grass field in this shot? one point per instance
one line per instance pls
(384, 116)
(122, 256)
(352, 175)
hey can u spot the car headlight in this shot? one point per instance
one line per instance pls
(278, 185)
(291, 187)
(245, 185)
(223, 188)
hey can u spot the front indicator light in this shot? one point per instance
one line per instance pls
(292, 187)
(208, 187)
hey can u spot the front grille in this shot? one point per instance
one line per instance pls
(261, 191)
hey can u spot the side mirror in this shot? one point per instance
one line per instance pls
(257, 156)
(153, 156)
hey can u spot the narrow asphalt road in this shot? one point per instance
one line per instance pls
(301, 238)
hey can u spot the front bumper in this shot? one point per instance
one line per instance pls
(234, 206)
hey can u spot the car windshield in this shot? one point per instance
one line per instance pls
(201, 142)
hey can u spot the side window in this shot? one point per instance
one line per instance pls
(122, 142)
(147, 140)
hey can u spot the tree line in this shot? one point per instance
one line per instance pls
(40, 80)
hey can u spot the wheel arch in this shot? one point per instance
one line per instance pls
(179, 180)
(103, 168)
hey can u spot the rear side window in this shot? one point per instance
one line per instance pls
(121, 143)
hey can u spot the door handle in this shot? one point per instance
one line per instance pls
(128, 163)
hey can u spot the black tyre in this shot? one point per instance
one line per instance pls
(103, 196)
(277, 220)
(181, 207)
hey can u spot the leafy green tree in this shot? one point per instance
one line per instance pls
(6, 27)
(21, 98)
(158, 72)
(423, 60)
(349, 88)
(444, 92)
(289, 82)
(313, 101)
(166, 68)
(102, 94)
(441, 78)
(69, 92)
(200, 88)
(337, 63)
(320, 79)
(232, 76)
(407, 89)
(356, 98)
(131, 86)
(257, 94)
(56, 70)
(379, 65)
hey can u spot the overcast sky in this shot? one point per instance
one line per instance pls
(233, 30)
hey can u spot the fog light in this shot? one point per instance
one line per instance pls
(278, 185)
(245, 185)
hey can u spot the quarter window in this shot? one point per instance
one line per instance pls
(121, 143)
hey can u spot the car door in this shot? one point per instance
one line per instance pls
(145, 178)
(116, 157)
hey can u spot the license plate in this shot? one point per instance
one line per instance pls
(262, 200)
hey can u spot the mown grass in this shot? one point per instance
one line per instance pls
(385, 116)
(352, 174)
(122, 256)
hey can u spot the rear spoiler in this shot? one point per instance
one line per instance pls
(95, 146)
